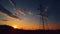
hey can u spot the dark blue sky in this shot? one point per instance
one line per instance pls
(53, 7)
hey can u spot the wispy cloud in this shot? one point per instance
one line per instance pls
(14, 7)
(7, 13)
(12, 2)
(3, 20)
(30, 12)
(17, 11)
(20, 11)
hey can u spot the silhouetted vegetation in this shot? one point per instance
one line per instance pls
(5, 29)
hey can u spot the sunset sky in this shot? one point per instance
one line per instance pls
(23, 14)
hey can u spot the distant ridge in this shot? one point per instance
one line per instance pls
(6, 29)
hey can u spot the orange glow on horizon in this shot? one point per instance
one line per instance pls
(28, 26)
(15, 26)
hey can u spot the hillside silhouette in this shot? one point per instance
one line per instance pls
(5, 29)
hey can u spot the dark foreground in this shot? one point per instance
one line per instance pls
(30, 32)
(9, 30)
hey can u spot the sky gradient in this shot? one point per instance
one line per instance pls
(23, 13)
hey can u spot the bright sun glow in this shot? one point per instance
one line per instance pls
(15, 26)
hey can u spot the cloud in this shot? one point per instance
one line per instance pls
(20, 11)
(12, 2)
(17, 11)
(3, 20)
(30, 12)
(14, 7)
(7, 13)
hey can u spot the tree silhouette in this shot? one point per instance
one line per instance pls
(6, 29)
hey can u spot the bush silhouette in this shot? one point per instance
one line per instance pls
(5, 28)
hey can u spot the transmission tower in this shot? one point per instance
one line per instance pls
(43, 14)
